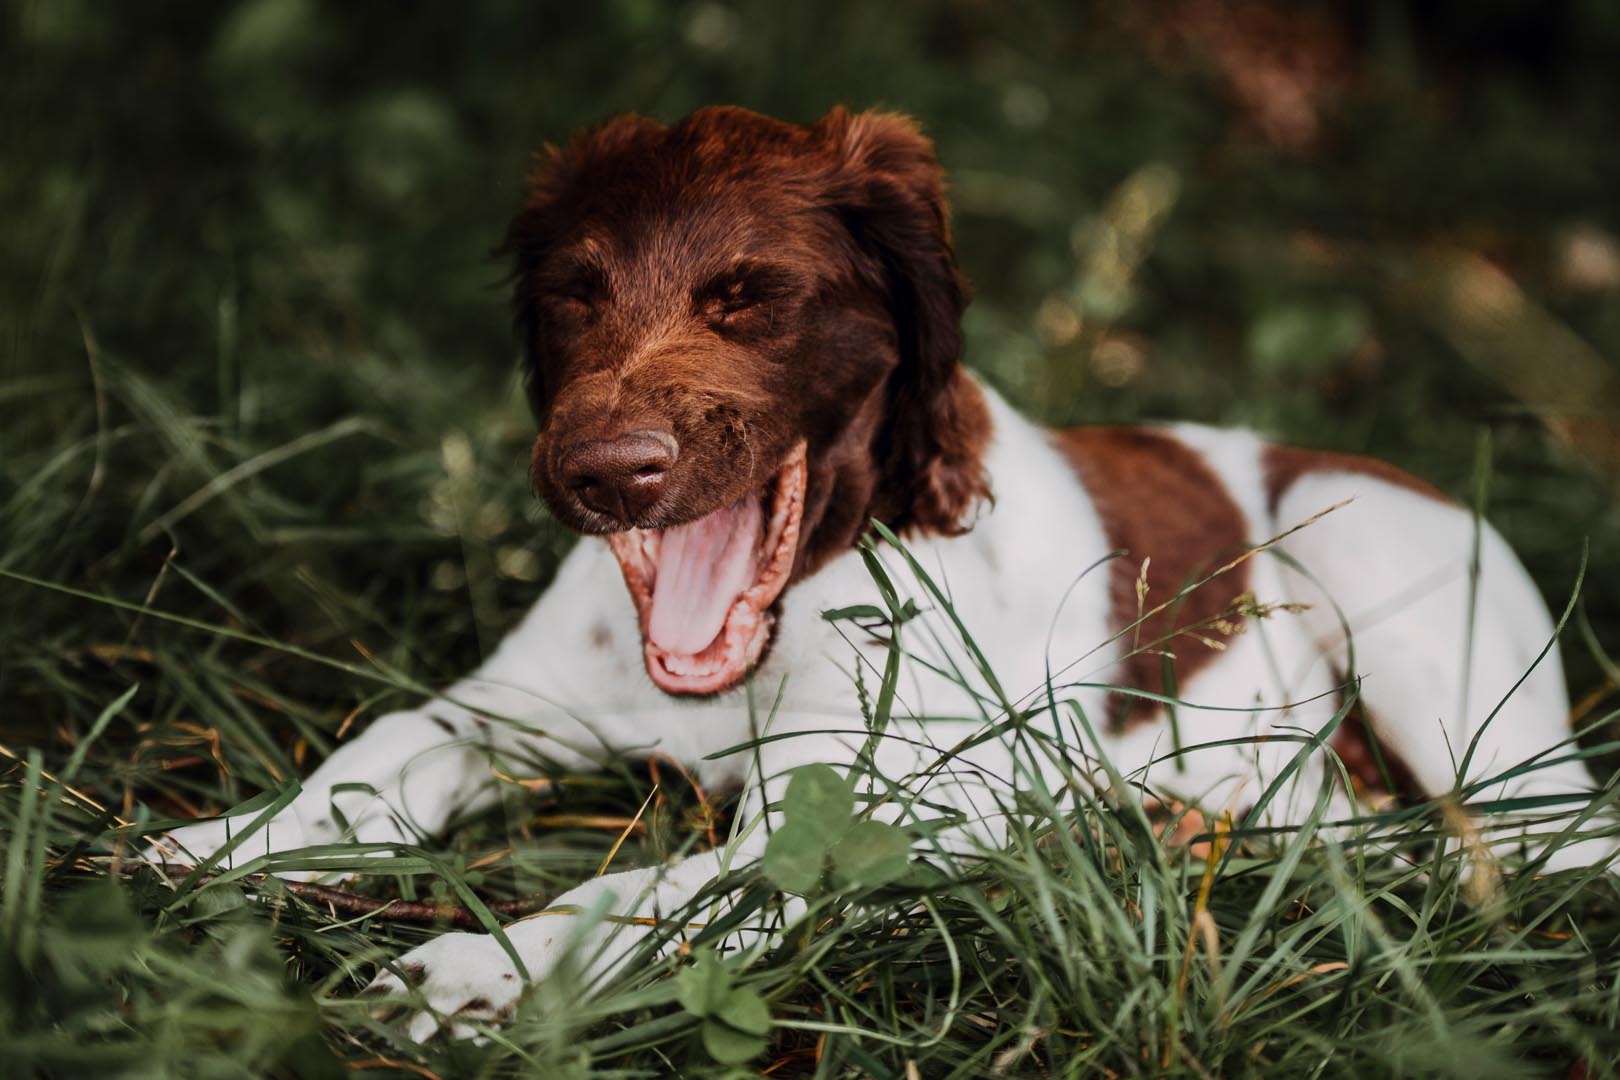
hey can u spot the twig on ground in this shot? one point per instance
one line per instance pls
(418, 912)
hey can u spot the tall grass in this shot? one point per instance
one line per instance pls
(1087, 945)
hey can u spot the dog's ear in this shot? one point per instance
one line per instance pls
(889, 191)
(543, 222)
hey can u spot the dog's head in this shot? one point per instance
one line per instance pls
(742, 341)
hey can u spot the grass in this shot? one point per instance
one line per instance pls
(260, 440)
(1086, 946)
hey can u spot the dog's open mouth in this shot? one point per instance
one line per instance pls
(704, 590)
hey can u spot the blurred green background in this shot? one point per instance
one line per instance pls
(258, 369)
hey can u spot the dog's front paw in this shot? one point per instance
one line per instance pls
(193, 845)
(460, 978)
(374, 823)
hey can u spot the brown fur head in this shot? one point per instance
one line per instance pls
(738, 284)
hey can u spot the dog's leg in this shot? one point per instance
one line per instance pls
(1438, 649)
(466, 977)
(397, 782)
(601, 924)
(410, 773)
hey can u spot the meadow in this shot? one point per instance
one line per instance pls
(263, 477)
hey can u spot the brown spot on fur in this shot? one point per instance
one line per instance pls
(601, 637)
(1355, 743)
(1159, 501)
(1281, 466)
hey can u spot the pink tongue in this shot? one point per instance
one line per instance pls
(703, 566)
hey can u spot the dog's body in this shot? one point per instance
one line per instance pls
(739, 372)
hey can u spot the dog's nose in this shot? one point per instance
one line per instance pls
(622, 476)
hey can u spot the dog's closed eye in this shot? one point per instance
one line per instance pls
(729, 297)
(571, 306)
(573, 289)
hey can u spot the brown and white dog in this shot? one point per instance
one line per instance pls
(742, 345)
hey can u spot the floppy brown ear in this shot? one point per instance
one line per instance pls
(543, 220)
(889, 190)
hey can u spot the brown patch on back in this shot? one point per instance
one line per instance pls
(1354, 741)
(1158, 500)
(1281, 466)
(1360, 748)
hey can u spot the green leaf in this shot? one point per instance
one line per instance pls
(872, 853)
(215, 901)
(703, 987)
(921, 876)
(745, 1011)
(793, 858)
(857, 611)
(820, 800)
(729, 1046)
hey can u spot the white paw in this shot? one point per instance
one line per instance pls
(192, 845)
(460, 978)
(288, 831)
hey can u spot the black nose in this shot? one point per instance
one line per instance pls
(620, 477)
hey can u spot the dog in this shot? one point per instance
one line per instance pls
(742, 345)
